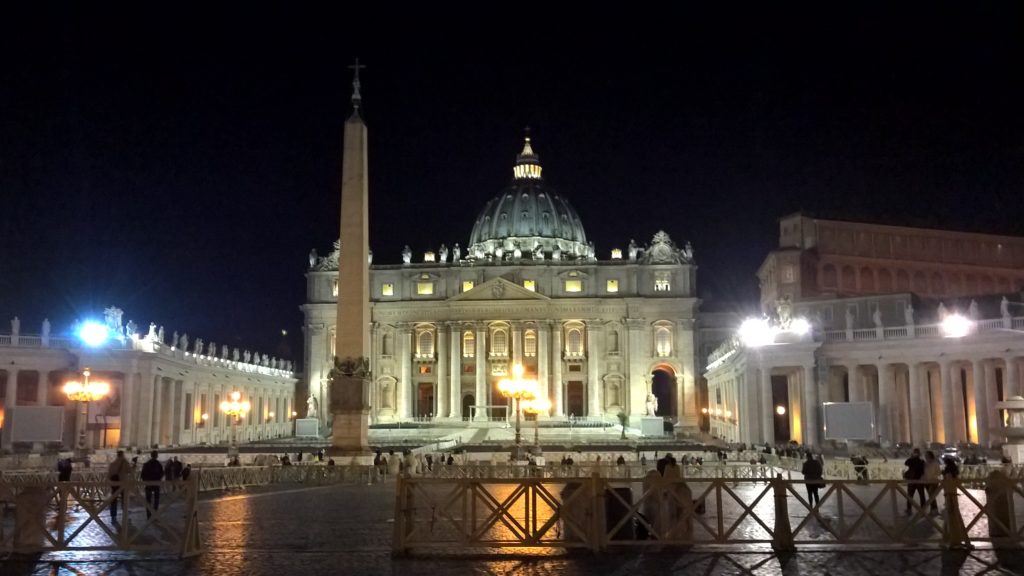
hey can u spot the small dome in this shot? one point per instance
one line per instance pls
(528, 216)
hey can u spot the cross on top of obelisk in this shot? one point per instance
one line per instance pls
(357, 99)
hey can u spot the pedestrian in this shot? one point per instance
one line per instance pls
(813, 475)
(64, 469)
(152, 471)
(913, 475)
(951, 469)
(932, 475)
(621, 461)
(118, 471)
(330, 461)
(186, 472)
(451, 460)
(643, 460)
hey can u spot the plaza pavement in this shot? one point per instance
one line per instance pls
(343, 530)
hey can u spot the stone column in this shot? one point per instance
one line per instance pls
(961, 398)
(441, 381)
(481, 372)
(981, 419)
(455, 373)
(948, 419)
(517, 343)
(767, 408)
(42, 387)
(557, 387)
(542, 363)
(886, 393)
(595, 405)
(856, 387)
(129, 389)
(11, 390)
(994, 417)
(157, 420)
(404, 392)
(1011, 379)
(810, 407)
(920, 409)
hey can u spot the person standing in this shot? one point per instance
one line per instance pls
(813, 475)
(152, 471)
(932, 475)
(118, 471)
(913, 475)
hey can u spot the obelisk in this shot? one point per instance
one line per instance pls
(349, 380)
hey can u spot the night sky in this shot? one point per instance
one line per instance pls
(180, 161)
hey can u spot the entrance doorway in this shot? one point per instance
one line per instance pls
(663, 386)
(468, 401)
(425, 399)
(780, 409)
(574, 398)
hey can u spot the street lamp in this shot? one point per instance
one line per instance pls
(537, 406)
(518, 389)
(84, 392)
(235, 409)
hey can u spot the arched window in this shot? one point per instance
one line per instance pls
(499, 343)
(663, 341)
(425, 343)
(867, 280)
(884, 281)
(613, 341)
(468, 344)
(937, 285)
(828, 276)
(385, 345)
(849, 278)
(902, 281)
(574, 342)
(530, 343)
(920, 283)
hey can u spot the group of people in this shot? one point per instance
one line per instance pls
(153, 471)
(924, 474)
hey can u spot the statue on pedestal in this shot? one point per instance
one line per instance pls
(877, 318)
(443, 254)
(46, 331)
(160, 334)
(184, 342)
(942, 312)
(246, 356)
(312, 258)
(312, 409)
(1004, 307)
(131, 329)
(234, 354)
(456, 253)
(406, 255)
(15, 326)
(211, 350)
(633, 249)
(198, 349)
(908, 315)
(151, 335)
(652, 405)
(224, 351)
(972, 310)
(369, 257)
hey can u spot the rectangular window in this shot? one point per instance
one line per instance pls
(216, 413)
(189, 411)
(573, 285)
(575, 368)
(469, 368)
(530, 285)
(387, 289)
(425, 369)
(424, 288)
(662, 285)
(788, 274)
(334, 288)
(467, 285)
(612, 286)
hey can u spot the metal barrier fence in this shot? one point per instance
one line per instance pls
(79, 515)
(599, 513)
(631, 470)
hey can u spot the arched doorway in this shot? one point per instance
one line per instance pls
(467, 402)
(663, 386)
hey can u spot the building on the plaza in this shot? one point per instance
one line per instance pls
(834, 258)
(923, 324)
(528, 288)
(161, 394)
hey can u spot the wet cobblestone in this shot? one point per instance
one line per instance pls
(348, 530)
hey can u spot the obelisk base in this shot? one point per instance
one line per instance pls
(351, 423)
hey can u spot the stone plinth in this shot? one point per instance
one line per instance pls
(307, 427)
(652, 426)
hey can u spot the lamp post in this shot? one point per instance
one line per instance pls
(537, 406)
(234, 409)
(84, 392)
(518, 389)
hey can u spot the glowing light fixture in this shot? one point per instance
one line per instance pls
(93, 334)
(780, 410)
(800, 326)
(756, 332)
(616, 254)
(956, 326)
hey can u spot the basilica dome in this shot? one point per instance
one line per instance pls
(530, 218)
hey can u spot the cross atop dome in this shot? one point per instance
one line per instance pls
(527, 162)
(357, 98)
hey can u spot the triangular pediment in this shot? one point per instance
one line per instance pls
(497, 289)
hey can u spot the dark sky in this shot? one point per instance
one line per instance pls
(180, 161)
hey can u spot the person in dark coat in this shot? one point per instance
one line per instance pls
(64, 469)
(813, 474)
(152, 471)
(913, 475)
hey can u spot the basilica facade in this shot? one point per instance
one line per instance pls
(598, 334)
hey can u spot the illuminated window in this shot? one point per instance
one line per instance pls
(468, 344)
(425, 344)
(387, 289)
(663, 341)
(574, 342)
(467, 285)
(424, 288)
(425, 369)
(573, 285)
(499, 343)
(530, 285)
(530, 343)
(662, 285)
(334, 288)
(616, 254)
(612, 286)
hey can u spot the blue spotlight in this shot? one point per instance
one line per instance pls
(93, 334)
